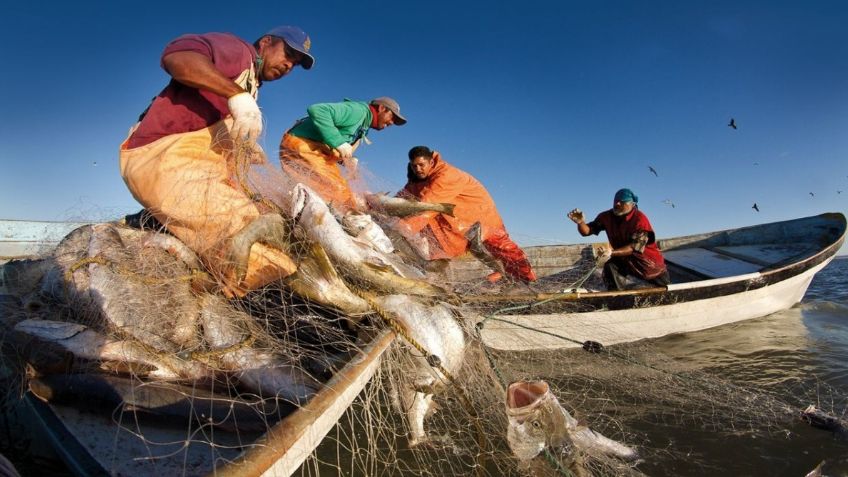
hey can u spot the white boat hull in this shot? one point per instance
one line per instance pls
(565, 330)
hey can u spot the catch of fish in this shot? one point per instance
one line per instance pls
(141, 306)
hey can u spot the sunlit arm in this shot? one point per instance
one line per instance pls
(196, 70)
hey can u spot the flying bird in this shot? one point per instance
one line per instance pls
(668, 202)
(95, 163)
(732, 123)
(812, 195)
(650, 168)
(756, 163)
(755, 207)
(839, 192)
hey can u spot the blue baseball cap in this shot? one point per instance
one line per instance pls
(296, 39)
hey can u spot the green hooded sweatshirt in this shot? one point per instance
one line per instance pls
(335, 123)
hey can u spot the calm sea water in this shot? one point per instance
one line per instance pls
(764, 369)
(794, 358)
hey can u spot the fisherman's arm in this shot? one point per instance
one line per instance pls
(639, 240)
(197, 71)
(576, 216)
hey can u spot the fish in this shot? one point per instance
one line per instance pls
(163, 400)
(134, 300)
(436, 329)
(227, 332)
(317, 281)
(89, 344)
(537, 422)
(358, 261)
(478, 249)
(400, 207)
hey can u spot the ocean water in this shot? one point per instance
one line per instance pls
(768, 369)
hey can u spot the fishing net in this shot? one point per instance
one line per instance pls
(126, 333)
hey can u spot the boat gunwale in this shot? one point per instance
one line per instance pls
(701, 289)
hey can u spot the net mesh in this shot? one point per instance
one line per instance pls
(184, 381)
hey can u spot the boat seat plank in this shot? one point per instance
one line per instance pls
(710, 263)
(766, 254)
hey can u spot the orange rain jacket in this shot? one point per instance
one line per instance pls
(473, 204)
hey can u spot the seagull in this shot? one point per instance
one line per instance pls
(755, 207)
(650, 168)
(668, 202)
(812, 195)
(732, 123)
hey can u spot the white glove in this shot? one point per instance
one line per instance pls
(247, 119)
(345, 150)
(602, 256)
(576, 216)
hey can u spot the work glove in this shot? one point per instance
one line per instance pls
(345, 150)
(576, 216)
(247, 119)
(602, 256)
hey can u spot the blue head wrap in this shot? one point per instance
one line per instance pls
(626, 195)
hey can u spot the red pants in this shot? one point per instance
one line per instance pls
(507, 252)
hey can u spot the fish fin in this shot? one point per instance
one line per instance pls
(449, 208)
(323, 261)
(380, 267)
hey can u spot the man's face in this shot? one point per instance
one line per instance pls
(385, 117)
(421, 166)
(278, 59)
(621, 208)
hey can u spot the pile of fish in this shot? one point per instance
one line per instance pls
(146, 330)
(138, 303)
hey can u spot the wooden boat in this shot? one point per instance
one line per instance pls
(717, 278)
(91, 442)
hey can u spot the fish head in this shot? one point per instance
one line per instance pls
(536, 419)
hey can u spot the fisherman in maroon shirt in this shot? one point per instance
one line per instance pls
(185, 160)
(634, 249)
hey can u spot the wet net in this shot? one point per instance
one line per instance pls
(125, 334)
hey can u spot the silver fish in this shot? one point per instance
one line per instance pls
(399, 207)
(537, 421)
(89, 344)
(227, 332)
(132, 301)
(437, 330)
(358, 261)
(317, 281)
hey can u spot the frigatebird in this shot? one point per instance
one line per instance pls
(650, 168)
(755, 207)
(732, 123)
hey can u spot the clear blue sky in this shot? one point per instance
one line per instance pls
(552, 105)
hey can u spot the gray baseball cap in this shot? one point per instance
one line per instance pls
(392, 106)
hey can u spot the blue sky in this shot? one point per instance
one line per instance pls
(552, 105)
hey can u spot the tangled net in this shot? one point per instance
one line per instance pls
(124, 327)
